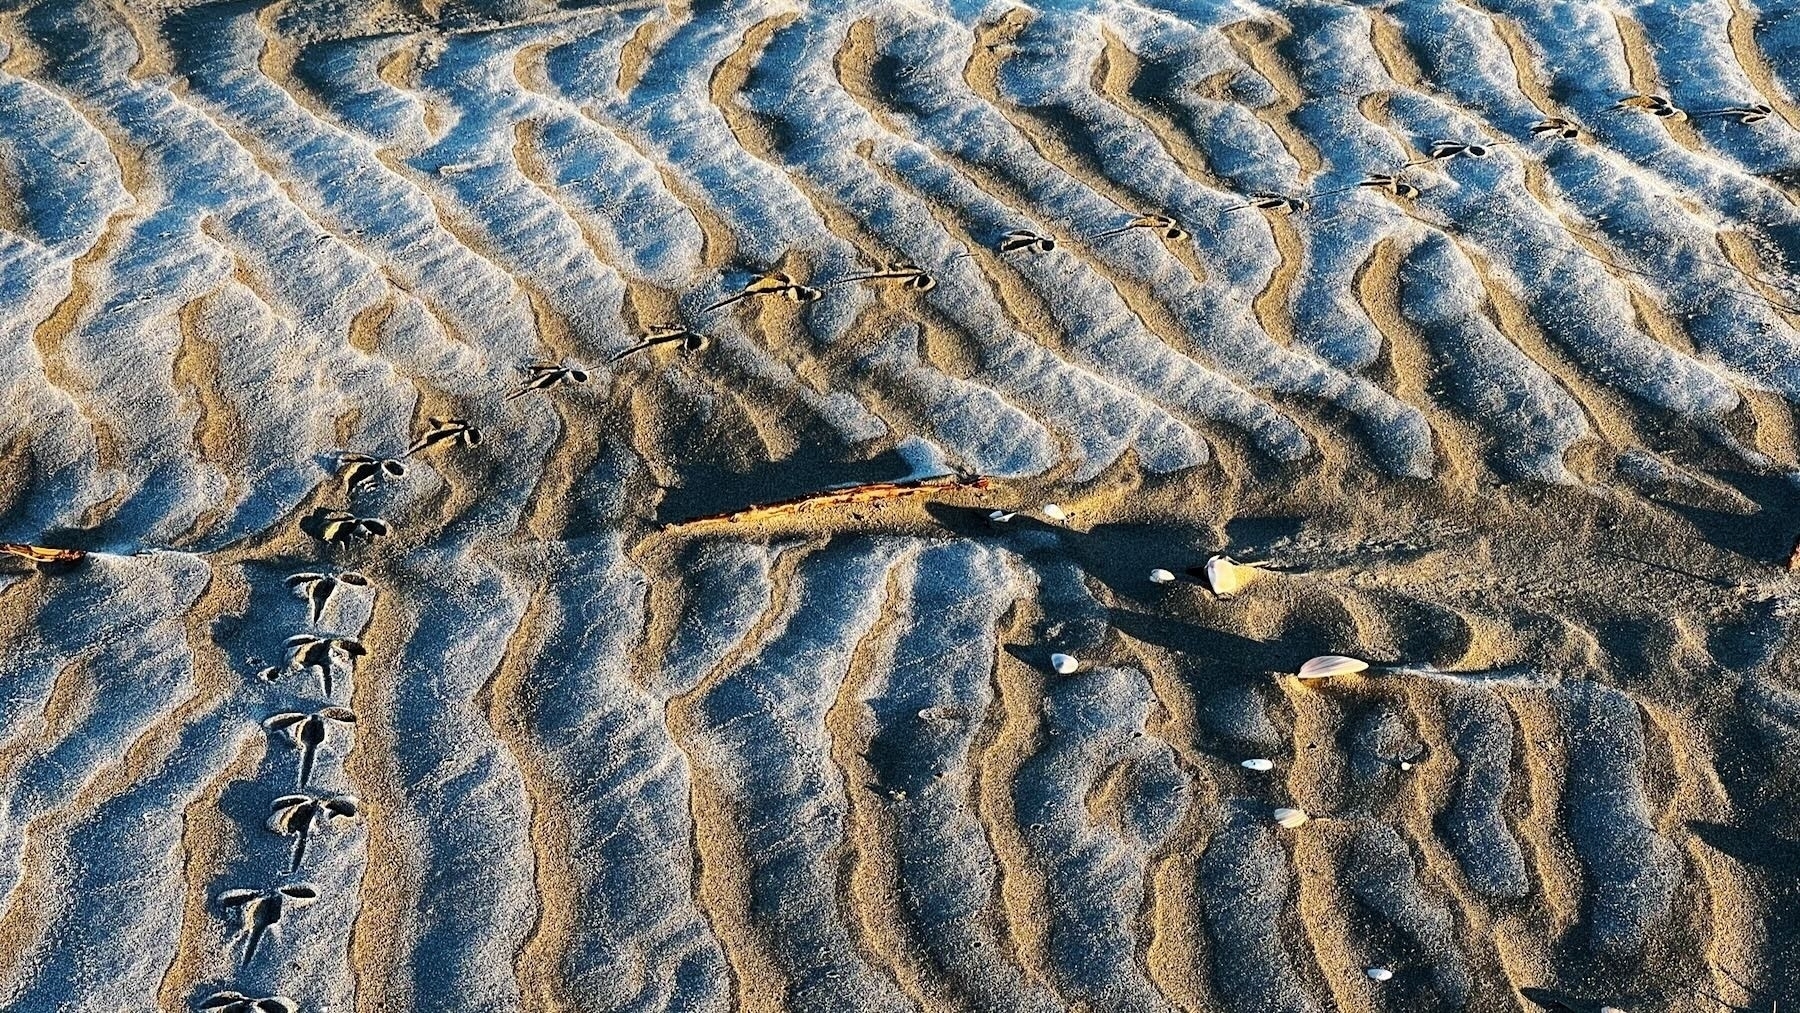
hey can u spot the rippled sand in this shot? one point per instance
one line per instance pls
(1525, 439)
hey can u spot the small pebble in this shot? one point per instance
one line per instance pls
(1258, 764)
(1064, 664)
(1161, 576)
(1379, 974)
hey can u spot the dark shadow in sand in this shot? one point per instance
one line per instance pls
(708, 490)
(1561, 1002)
(1752, 847)
(1766, 536)
(1222, 650)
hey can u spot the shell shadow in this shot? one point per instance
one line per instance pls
(707, 490)
(1752, 847)
(1221, 650)
(1561, 1002)
(1766, 536)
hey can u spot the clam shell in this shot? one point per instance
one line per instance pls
(1291, 818)
(1326, 666)
(1055, 512)
(1161, 576)
(1259, 764)
(1379, 974)
(1065, 664)
(1222, 576)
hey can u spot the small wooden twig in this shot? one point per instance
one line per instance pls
(41, 555)
(856, 495)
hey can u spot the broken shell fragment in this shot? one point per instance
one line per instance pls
(1259, 764)
(1161, 576)
(1064, 664)
(1000, 516)
(1330, 665)
(1055, 512)
(1226, 576)
(1291, 818)
(1379, 974)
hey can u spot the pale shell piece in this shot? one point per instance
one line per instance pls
(1291, 818)
(1326, 666)
(1064, 664)
(1055, 512)
(1226, 576)
(1379, 974)
(1258, 764)
(1611, 1009)
(1161, 576)
(1000, 516)
(1406, 765)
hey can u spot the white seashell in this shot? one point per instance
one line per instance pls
(1000, 516)
(1161, 576)
(1226, 576)
(1064, 664)
(1329, 665)
(1611, 1009)
(1258, 764)
(1406, 765)
(1379, 974)
(1291, 818)
(1055, 512)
